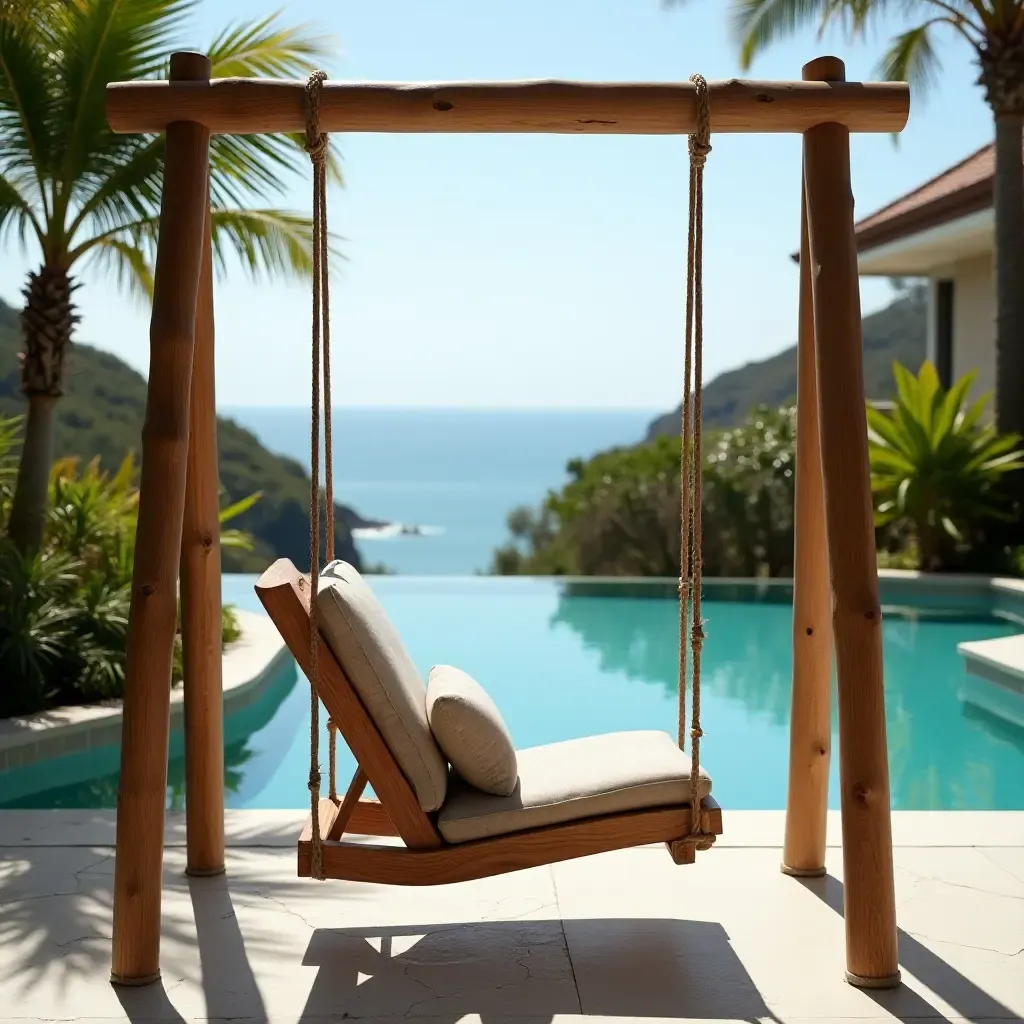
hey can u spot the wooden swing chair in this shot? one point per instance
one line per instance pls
(656, 812)
(178, 506)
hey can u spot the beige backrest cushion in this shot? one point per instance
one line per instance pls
(470, 731)
(373, 657)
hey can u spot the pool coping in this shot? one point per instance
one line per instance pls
(249, 664)
(999, 596)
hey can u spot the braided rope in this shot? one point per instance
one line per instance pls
(690, 459)
(685, 449)
(317, 144)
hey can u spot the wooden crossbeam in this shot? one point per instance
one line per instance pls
(248, 105)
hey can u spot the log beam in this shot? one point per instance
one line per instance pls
(246, 106)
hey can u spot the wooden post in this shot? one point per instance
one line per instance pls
(810, 730)
(201, 600)
(142, 787)
(870, 912)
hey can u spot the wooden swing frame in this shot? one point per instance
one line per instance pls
(178, 510)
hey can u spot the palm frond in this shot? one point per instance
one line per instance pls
(104, 41)
(100, 193)
(129, 190)
(266, 242)
(128, 261)
(759, 23)
(16, 211)
(912, 58)
(266, 49)
(247, 166)
(27, 144)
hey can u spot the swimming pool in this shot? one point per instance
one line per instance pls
(563, 664)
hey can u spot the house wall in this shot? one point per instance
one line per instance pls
(973, 321)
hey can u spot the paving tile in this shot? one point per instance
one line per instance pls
(624, 936)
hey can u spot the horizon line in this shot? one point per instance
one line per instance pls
(348, 406)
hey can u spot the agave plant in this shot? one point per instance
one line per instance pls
(934, 467)
(76, 192)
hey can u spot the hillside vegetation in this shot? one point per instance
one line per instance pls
(893, 334)
(101, 415)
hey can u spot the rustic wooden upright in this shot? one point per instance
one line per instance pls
(836, 580)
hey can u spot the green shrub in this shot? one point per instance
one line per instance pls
(64, 610)
(619, 513)
(938, 477)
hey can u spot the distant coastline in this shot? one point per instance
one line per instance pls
(434, 487)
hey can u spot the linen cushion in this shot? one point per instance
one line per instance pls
(562, 782)
(373, 657)
(470, 731)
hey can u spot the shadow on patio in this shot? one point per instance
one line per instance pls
(967, 999)
(532, 968)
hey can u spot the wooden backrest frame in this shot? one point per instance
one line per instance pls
(285, 593)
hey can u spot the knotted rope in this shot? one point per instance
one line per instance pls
(317, 146)
(690, 460)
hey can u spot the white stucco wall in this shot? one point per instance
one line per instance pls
(974, 346)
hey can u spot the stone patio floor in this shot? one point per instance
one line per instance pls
(624, 935)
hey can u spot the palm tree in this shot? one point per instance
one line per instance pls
(994, 30)
(76, 192)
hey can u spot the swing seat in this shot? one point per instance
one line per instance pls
(562, 782)
(573, 799)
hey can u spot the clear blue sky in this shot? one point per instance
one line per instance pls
(538, 270)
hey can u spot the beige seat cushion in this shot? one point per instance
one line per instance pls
(373, 657)
(561, 782)
(470, 731)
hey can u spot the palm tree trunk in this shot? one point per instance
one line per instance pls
(28, 509)
(47, 322)
(1009, 218)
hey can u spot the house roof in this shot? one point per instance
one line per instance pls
(964, 188)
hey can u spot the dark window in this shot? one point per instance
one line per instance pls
(944, 332)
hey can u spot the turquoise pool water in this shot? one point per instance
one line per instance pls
(562, 666)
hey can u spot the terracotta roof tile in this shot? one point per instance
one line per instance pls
(963, 189)
(977, 167)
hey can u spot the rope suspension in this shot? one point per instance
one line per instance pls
(691, 630)
(317, 146)
(691, 626)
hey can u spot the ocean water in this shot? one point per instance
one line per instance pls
(456, 472)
